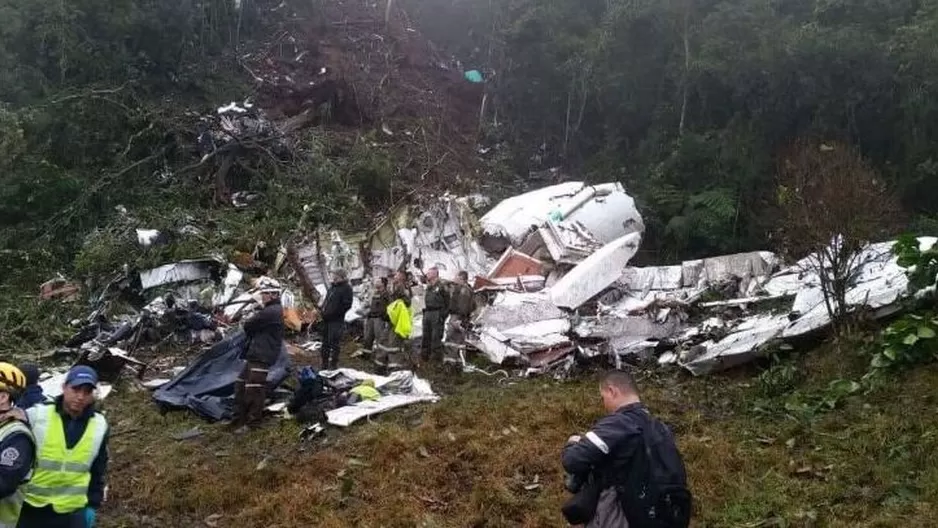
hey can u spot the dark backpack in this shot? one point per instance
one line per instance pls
(306, 401)
(655, 493)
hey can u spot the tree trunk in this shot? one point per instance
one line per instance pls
(566, 127)
(686, 67)
(222, 193)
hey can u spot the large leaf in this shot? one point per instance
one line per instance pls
(926, 332)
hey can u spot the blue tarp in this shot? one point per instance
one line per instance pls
(206, 386)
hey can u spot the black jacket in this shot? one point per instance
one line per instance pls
(338, 302)
(265, 334)
(607, 449)
(19, 452)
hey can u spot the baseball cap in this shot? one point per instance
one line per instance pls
(81, 375)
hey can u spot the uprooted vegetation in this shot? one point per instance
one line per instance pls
(349, 113)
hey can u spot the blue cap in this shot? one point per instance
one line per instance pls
(81, 375)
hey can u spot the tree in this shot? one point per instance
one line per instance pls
(834, 204)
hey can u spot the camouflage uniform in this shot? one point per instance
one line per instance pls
(461, 308)
(376, 322)
(390, 350)
(436, 308)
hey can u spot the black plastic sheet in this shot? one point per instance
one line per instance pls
(207, 385)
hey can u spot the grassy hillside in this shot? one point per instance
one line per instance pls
(474, 458)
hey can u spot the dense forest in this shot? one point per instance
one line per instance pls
(689, 103)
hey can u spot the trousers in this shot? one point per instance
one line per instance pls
(375, 328)
(431, 343)
(251, 393)
(31, 517)
(455, 339)
(389, 352)
(331, 343)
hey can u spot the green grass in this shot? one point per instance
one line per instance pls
(466, 460)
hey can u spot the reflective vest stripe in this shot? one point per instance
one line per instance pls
(62, 475)
(11, 505)
(71, 467)
(58, 491)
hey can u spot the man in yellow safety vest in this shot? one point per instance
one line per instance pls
(67, 486)
(17, 447)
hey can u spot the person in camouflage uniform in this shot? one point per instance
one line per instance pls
(435, 311)
(461, 307)
(390, 350)
(376, 320)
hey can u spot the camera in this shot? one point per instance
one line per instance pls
(573, 483)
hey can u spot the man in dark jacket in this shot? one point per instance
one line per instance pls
(264, 336)
(338, 301)
(32, 395)
(435, 311)
(606, 455)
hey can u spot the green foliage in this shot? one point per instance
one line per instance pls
(779, 379)
(698, 97)
(370, 173)
(911, 340)
(29, 326)
(922, 266)
(805, 406)
(908, 342)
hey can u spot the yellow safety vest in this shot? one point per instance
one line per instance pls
(11, 505)
(366, 393)
(62, 475)
(399, 315)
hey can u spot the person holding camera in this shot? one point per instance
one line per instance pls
(626, 472)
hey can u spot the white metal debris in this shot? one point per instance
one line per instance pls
(604, 211)
(494, 345)
(743, 344)
(229, 286)
(184, 271)
(52, 387)
(510, 309)
(880, 283)
(146, 237)
(399, 389)
(595, 273)
(567, 242)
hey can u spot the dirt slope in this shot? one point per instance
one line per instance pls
(381, 81)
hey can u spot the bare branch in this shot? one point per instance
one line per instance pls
(834, 205)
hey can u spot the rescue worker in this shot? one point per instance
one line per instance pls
(264, 336)
(376, 320)
(32, 394)
(626, 454)
(436, 308)
(17, 447)
(67, 486)
(400, 288)
(391, 349)
(338, 301)
(461, 307)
